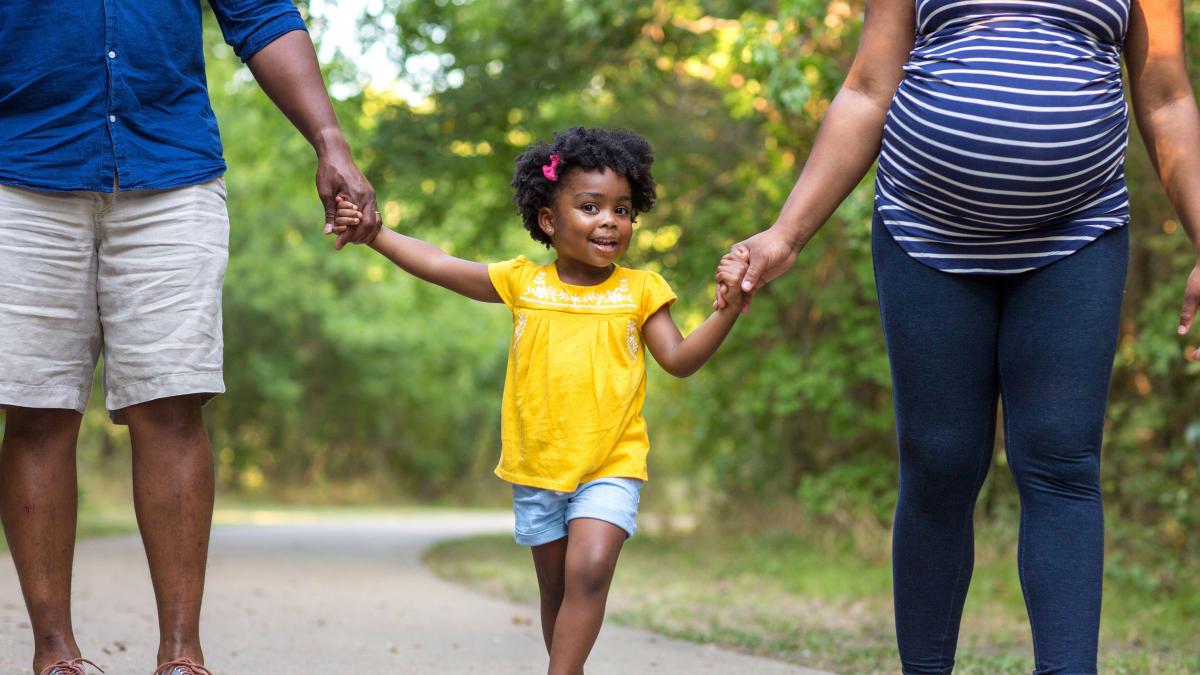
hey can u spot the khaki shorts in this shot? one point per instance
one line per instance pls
(136, 274)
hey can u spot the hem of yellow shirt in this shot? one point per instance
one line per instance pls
(558, 486)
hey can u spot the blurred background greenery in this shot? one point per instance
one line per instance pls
(351, 382)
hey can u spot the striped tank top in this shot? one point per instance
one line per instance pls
(1004, 147)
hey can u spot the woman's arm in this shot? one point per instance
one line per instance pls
(847, 143)
(1164, 104)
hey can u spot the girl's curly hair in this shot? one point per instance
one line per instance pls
(584, 149)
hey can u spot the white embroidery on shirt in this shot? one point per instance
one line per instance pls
(542, 293)
(519, 329)
(631, 338)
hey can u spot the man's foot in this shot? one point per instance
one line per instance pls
(72, 667)
(184, 666)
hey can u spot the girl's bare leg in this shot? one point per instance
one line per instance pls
(550, 562)
(591, 557)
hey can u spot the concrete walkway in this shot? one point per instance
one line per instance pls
(335, 597)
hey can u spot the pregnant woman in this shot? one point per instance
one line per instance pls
(1000, 247)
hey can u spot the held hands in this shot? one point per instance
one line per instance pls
(769, 254)
(338, 177)
(1191, 301)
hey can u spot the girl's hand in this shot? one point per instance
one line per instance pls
(730, 272)
(347, 215)
(1191, 301)
(770, 254)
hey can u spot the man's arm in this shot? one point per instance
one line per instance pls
(288, 72)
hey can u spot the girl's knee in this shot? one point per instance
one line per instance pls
(592, 576)
(551, 589)
(552, 597)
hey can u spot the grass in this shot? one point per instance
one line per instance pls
(825, 604)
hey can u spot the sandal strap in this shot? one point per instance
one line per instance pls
(186, 665)
(72, 667)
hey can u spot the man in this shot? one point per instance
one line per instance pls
(114, 237)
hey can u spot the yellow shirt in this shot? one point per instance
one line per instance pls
(576, 380)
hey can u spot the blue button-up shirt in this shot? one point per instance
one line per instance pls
(96, 89)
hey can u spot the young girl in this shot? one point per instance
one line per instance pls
(574, 440)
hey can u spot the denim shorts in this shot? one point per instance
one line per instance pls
(542, 515)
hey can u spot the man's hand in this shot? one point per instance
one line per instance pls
(338, 175)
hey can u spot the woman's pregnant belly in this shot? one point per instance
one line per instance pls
(1006, 125)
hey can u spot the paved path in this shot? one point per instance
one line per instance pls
(337, 597)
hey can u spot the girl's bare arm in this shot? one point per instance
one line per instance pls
(424, 260)
(682, 356)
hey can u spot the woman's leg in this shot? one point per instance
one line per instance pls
(1058, 336)
(941, 337)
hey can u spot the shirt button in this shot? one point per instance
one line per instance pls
(112, 118)
(112, 55)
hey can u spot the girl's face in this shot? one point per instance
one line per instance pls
(590, 222)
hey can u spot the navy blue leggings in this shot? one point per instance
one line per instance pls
(1041, 342)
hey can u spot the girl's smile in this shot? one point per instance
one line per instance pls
(604, 243)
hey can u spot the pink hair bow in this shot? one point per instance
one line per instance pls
(550, 171)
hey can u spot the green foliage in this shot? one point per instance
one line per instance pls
(344, 369)
(731, 94)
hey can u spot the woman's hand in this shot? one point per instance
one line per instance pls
(770, 254)
(1191, 301)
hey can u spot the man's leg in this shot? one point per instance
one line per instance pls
(162, 260)
(38, 503)
(173, 497)
(49, 342)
